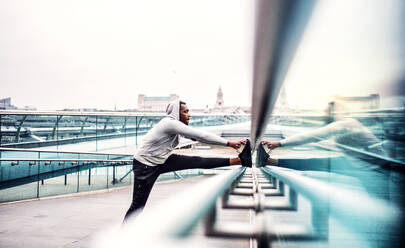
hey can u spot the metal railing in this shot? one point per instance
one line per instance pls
(144, 230)
(353, 209)
(279, 27)
(266, 191)
(28, 129)
(62, 152)
(20, 168)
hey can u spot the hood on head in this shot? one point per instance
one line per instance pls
(173, 110)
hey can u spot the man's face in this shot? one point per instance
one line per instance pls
(184, 114)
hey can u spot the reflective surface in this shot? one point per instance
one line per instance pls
(339, 118)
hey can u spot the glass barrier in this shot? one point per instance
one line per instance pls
(93, 132)
(54, 173)
(62, 138)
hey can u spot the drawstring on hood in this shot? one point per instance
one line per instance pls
(173, 110)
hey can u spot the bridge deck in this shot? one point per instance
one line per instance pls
(75, 221)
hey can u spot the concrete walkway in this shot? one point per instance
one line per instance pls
(73, 221)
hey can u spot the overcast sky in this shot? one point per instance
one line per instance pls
(94, 53)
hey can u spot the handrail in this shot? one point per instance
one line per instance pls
(321, 113)
(279, 27)
(64, 160)
(75, 152)
(116, 114)
(395, 163)
(347, 205)
(400, 110)
(195, 202)
(87, 153)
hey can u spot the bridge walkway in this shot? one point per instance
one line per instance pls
(74, 221)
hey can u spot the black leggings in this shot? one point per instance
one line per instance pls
(145, 176)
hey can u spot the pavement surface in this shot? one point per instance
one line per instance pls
(74, 221)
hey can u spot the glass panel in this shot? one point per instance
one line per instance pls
(57, 178)
(111, 134)
(119, 176)
(28, 131)
(132, 131)
(92, 175)
(93, 178)
(18, 181)
(76, 133)
(20, 192)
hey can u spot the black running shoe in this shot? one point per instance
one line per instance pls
(262, 156)
(246, 155)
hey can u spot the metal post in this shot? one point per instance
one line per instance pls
(1, 134)
(209, 220)
(137, 123)
(82, 127)
(96, 132)
(108, 158)
(320, 220)
(65, 179)
(89, 175)
(57, 131)
(39, 165)
(113, 181)
(293, 199)
(78, 165)
(225, 195)
(106, 124)
(281, 187)
(125, 131)
(17, 135)
(78, 177)
(136, 131)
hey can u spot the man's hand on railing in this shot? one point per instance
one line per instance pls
(236, 144)
(271, 144)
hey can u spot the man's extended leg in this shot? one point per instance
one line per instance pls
(177, 162)
(144, 179)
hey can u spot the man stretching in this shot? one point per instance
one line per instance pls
(155, 157)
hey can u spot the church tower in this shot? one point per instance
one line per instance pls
(220, 99)
(283, 98)
(282, 103)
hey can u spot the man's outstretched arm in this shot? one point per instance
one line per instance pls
(201, 135)
(271, 144)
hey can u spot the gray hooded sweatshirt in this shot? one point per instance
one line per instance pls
(159, 143)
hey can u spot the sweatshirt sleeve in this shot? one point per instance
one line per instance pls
(177, 127)
(315, 135)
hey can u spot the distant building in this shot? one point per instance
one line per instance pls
(220, 99)
(5, 104)
(220, 107)
(354, 103)
(155, 103)
(28, 108)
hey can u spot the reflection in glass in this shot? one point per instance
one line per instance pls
(340, 117)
